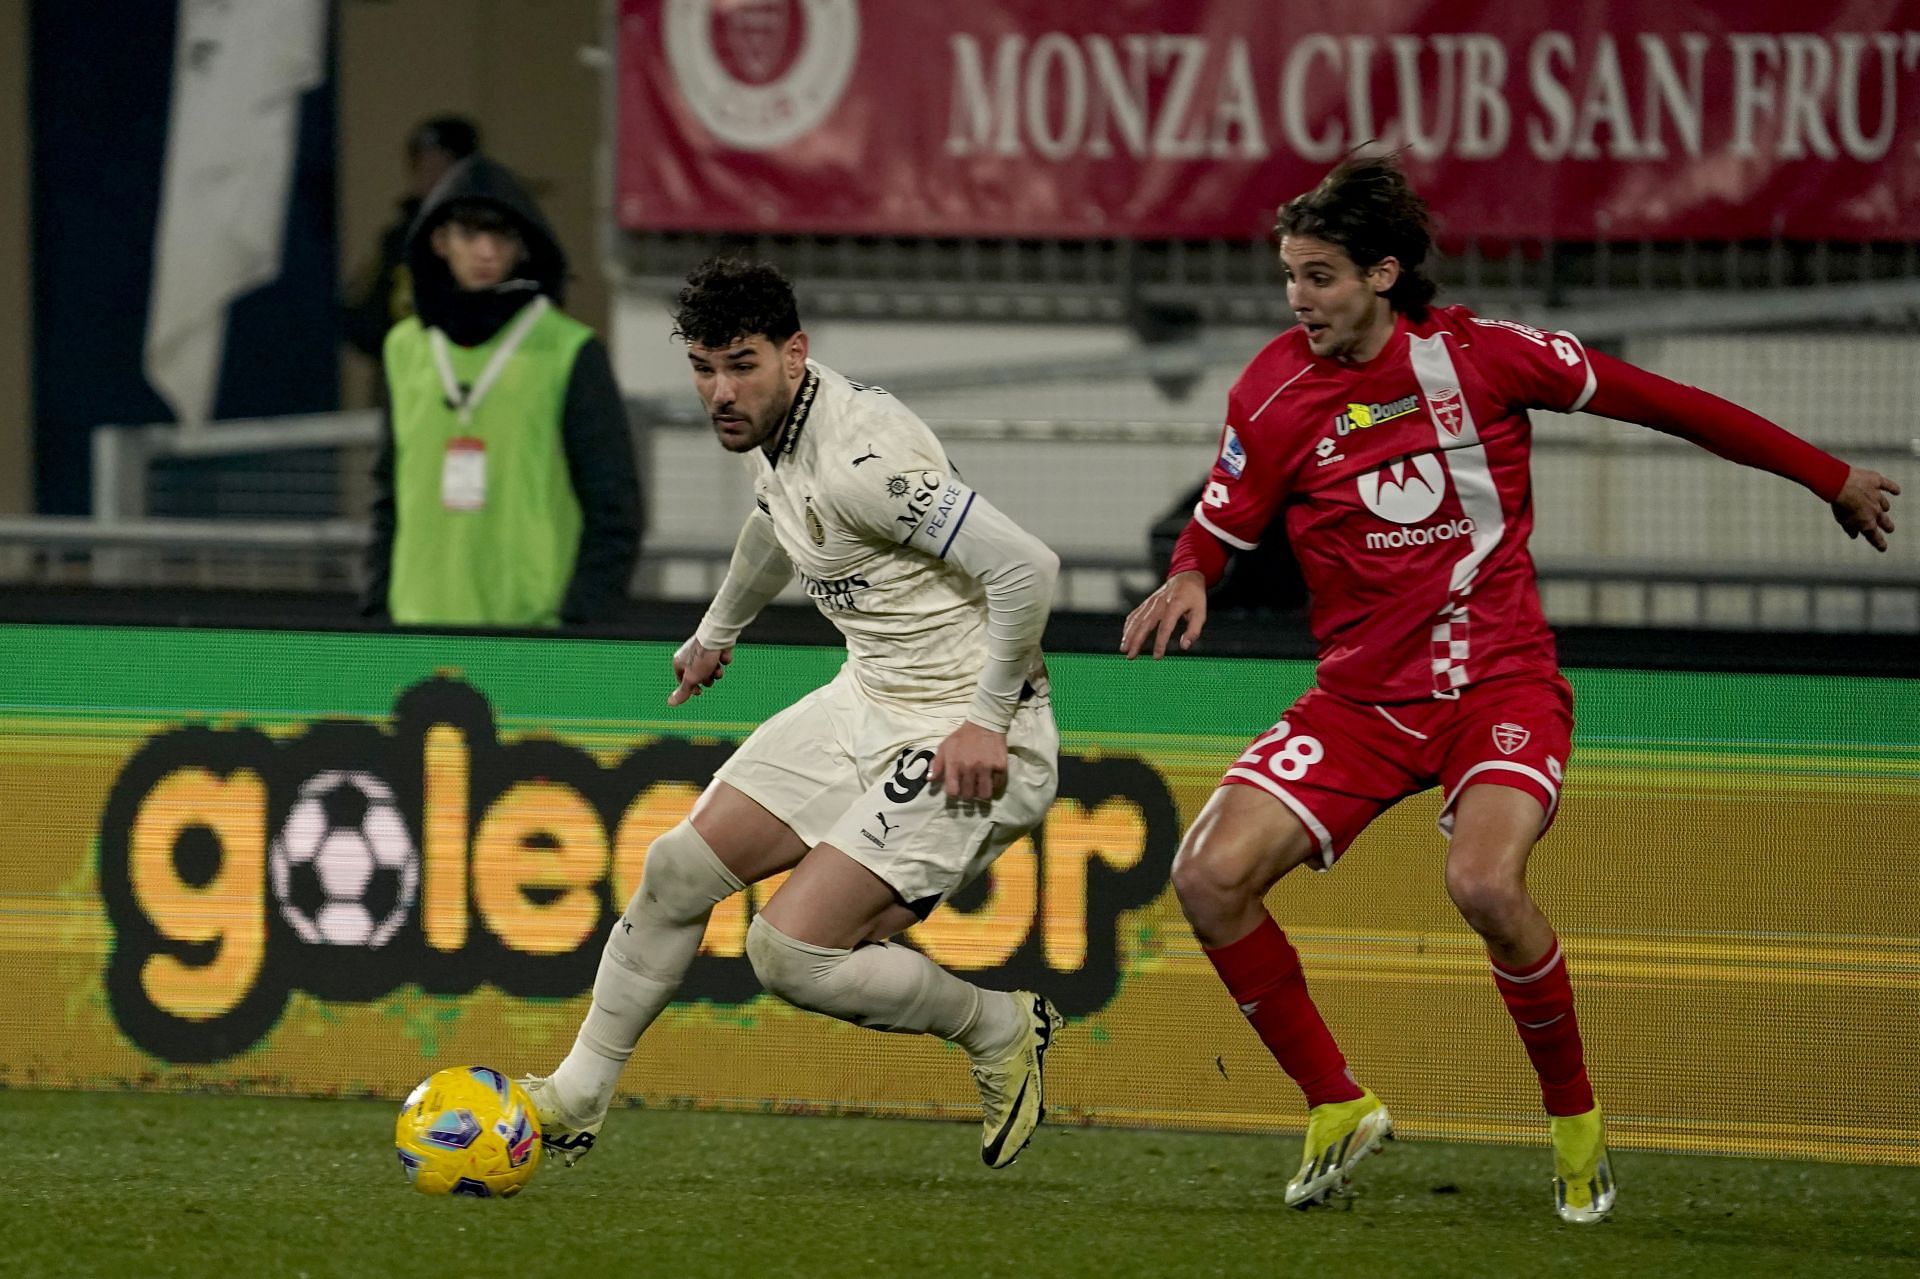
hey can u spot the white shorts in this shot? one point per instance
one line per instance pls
(840, 768)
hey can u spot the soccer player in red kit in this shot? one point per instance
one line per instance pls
(1393, 436)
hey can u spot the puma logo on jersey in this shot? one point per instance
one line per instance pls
(866, 457)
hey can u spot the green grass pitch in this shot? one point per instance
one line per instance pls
(146, 1185)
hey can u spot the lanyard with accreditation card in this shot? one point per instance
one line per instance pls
(463, 472)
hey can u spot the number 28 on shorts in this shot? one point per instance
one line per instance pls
(1295, 753)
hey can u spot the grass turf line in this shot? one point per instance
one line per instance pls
(124, 1184)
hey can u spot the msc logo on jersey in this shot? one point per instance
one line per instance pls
(1233, 454)
(1405, 490)
(1359, 417)
(760, 73)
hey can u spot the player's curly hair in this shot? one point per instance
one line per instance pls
(729, 298)
(1367, 207)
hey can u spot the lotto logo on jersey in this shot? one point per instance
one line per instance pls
(1233, 454)
(1359, 417)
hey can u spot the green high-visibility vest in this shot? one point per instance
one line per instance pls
(501, 555)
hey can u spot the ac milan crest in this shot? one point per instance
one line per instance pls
(1510, 737)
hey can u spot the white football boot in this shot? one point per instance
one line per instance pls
(565, 1135)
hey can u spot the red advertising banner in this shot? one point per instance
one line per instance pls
(1169, 119)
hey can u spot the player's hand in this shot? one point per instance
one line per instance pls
(1865, 505)
(1182, 597)
(696, 667)
(971, 763)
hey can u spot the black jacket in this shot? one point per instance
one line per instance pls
(370, 311)
(593, 428)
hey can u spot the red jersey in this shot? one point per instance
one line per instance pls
(1407, 491)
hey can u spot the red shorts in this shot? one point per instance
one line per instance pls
(1338, 764)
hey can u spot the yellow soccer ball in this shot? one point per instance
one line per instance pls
(468, 1130)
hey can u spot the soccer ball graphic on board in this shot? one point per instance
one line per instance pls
(343, 866)
(468, 1130)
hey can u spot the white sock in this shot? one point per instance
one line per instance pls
(886, 986)
(645, 958)
(1001, 1023)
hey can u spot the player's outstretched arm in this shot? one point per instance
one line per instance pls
(1859, 497)
(758, 571)
(1865, 506)
(1018, 572)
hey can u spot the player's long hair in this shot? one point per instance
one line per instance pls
(732, 298)
(1367, 207)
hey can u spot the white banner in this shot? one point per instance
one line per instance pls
(239, 72)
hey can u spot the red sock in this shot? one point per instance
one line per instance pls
(1540, 998)
(1262, 973)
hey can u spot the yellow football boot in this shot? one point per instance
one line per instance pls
(1012, 1096)
(1583, 1188)
(1339, 1135)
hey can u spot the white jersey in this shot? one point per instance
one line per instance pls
(865, 504)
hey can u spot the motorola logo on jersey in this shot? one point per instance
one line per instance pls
(1445, 531)
(1406, 490)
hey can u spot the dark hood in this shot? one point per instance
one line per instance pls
(442, 304)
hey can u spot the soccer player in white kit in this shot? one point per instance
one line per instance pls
(885, 791)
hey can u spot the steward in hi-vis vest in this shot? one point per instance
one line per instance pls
(506, 489)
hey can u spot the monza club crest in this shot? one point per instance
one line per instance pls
(761, 73)
(1447, 409)
(1510, 737)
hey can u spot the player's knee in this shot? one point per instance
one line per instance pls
(1490, 899)
(683, 880)
(796, 972)
(1212, 873)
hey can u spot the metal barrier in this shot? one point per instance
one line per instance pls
(1872, 597)
(1634, 528)
(1236, 282)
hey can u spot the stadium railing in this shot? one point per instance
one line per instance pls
(1623, 538)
